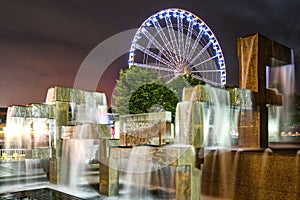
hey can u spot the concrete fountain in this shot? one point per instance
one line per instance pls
(202, 155)
(229, 129)
(56, 141)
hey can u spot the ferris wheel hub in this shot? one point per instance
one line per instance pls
(187, 70)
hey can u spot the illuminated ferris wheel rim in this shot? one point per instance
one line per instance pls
(172, 43)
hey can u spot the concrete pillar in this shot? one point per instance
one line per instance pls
(255, 53)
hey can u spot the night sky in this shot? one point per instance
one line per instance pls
(44, 43)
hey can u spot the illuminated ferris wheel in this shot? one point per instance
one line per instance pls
(174, 42)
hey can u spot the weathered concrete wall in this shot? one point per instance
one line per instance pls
(251, 175)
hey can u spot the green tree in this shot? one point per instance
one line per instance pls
(182, 81)
(129, 81)
(153, 97)
(139, 91)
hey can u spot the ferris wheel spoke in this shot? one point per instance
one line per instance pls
(153, 55)
(205, 80)
(212, 82)
(180, 36)
(188, 39)
(207, 71)
(156, 44)
(195, 44)
(204, 61)
(154, 67)
(164, 39)
(201, 51)
(172, 34)
(169, 77)
(165, 76)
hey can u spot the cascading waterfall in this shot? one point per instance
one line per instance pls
(276, 78)
(25, 131)
(75, 136)
(15, 127)
(146, 179)
(211, 189)
(265, 159)
(14, 146)
(72, 163)
(192, 119)
(217, 119)
(41, 134)
(274, 122)
(234, 172)
(138, 173)
(80, 148)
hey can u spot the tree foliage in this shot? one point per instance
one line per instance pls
(153, 97)
(180, 82)
(140, 91)
(129, 81)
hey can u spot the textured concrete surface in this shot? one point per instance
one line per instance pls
(251, 175)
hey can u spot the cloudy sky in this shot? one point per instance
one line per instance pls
(44, 43)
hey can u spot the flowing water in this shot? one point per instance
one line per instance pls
(218, 118)
(234, 172)
(146, 179)
(211, 189)
(215, 119)
(264, 166)
(77, 152)
(280, 117)
(20, 163)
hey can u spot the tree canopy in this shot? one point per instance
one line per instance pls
(129, 81)
(181, 81)
(140, 91)
(153, 97)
